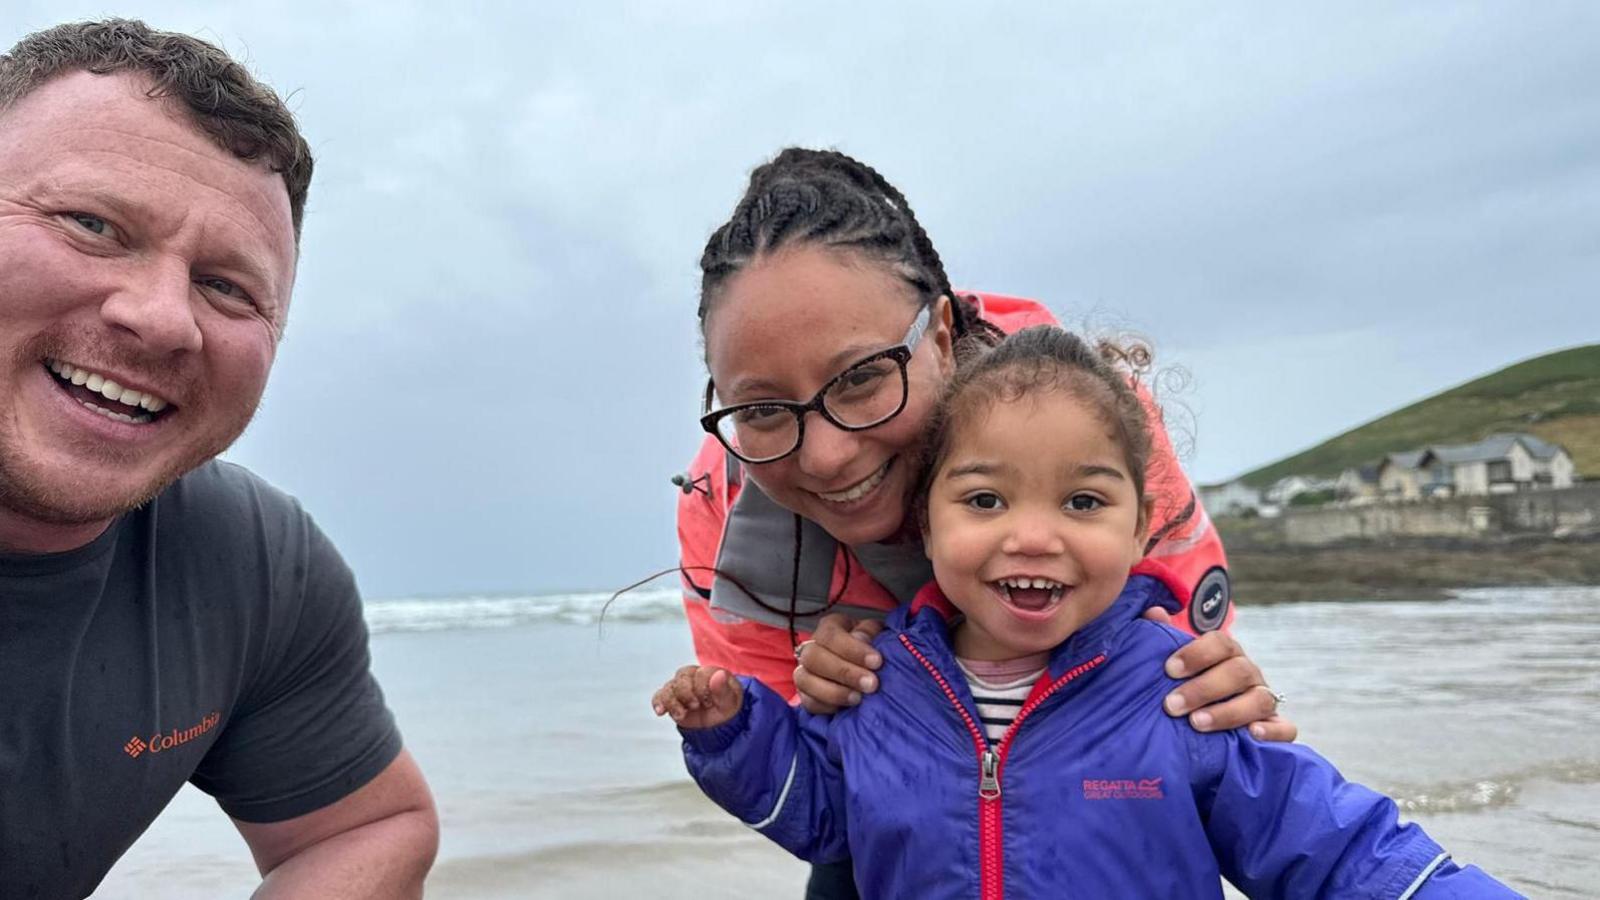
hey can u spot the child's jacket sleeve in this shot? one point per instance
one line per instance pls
(1284, 823)
(771, 767)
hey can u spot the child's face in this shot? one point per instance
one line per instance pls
(1033, 489)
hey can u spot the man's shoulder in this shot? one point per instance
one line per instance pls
(222, 508)
(221, 488)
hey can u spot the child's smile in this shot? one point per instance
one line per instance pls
(1033, 523)
(1030, 596)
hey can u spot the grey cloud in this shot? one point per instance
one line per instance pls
(493, 367)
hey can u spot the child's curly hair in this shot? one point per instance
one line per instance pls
(1046, 357)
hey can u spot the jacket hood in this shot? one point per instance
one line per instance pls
(931, 614)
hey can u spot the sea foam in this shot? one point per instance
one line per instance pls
(653, 604)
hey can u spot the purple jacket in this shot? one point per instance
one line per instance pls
(1094, 791)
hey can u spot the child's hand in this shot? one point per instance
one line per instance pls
(699, 697)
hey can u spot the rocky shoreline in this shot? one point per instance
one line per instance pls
(1269, 571)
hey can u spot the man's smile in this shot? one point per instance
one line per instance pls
(104, 395)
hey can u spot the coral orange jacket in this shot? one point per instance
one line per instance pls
(724, 542)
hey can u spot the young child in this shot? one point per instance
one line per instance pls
(1016, 746)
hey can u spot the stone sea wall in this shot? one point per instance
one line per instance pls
(1556, 512)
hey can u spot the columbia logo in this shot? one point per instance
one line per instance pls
(161, 742)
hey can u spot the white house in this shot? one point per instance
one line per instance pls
(1399, 477)
(1357, 486)
(1502, 464)
(1287, 488)
(1552, 464)
(1499, 464)
(1233, 498)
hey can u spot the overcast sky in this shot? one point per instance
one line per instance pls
(492, 366)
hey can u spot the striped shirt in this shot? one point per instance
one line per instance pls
(1001, 687)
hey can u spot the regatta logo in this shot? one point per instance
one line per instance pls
(1122, 789)
(158, 742)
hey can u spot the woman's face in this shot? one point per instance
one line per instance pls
(784, 327)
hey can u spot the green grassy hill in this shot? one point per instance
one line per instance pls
(1555, 397)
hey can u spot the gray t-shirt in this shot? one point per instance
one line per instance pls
(213, 636)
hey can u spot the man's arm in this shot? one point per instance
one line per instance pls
(377, 842)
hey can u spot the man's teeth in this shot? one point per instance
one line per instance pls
(140, 419)
(861, 489)
(109, 389)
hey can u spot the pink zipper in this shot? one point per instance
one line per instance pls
(991, 838)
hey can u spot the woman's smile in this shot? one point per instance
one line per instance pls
(865, 488)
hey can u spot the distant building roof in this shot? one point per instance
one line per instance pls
(1540, 449)
(1494, 447)
(1406, 460)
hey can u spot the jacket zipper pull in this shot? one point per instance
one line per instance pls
(989, 783)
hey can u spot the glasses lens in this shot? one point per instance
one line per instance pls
(759, 432)
(868, 393)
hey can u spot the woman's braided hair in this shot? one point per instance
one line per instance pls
(827, 198)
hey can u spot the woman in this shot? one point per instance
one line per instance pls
(793, 526)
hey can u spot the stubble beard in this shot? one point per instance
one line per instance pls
(78, 502)
(80, 498)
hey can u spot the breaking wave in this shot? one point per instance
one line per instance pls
(652, 604)
(1498, 790)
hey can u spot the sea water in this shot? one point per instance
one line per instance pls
(530, 716)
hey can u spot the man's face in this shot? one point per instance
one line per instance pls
(133, 251)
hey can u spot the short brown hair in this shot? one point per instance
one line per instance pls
(239, 113)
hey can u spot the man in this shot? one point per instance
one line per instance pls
(165, 617)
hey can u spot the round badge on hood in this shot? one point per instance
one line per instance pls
(1208, 608)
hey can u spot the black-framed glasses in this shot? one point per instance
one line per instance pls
(868, 393)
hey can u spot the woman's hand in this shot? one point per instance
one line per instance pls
(1225, 690)
(837, 663)
(699, 697)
